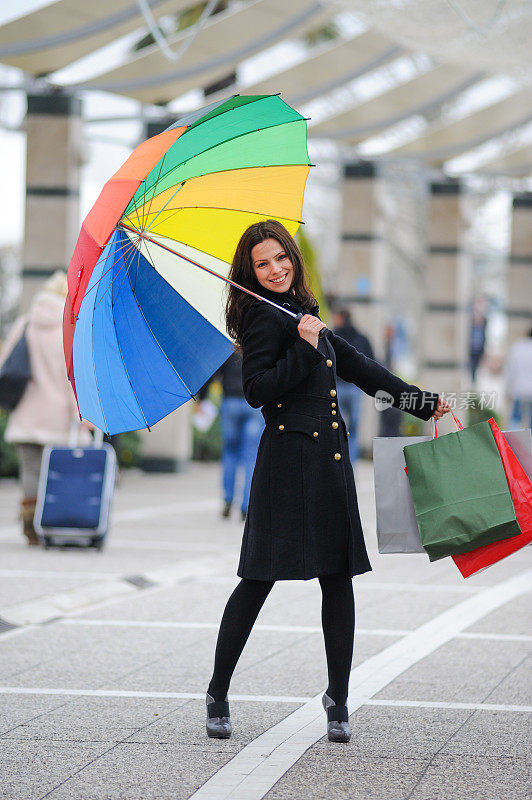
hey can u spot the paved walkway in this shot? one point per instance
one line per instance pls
(105, 658)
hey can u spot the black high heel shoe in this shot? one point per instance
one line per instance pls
(338, 728)
(218, 719)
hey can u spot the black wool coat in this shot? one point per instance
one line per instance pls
(303, 518)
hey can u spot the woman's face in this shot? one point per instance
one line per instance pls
(272, 266)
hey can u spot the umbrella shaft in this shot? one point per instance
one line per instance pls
(206, 269)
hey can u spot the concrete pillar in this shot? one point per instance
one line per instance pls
(519, 297)
(168, 446)
(444, 342)
(360, 284)
(54, 139)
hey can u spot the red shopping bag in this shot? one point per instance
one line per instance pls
(521, 492)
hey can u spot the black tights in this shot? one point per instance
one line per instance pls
(241, 611)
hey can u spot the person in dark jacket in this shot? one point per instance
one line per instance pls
(241, 426)
(349, 395)
(303, 519)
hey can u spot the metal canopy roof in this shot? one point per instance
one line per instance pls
(517, 163)
(414, 96)
(225, 40)
(305, 79)
(447, 140)
(465, 45)
(58, 34)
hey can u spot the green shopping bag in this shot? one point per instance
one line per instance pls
(460, 492)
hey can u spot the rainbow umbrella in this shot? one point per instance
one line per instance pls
(144, 323)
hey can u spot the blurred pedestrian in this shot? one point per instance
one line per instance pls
(477, 336)
(389, 418)
(47, 410)
(518, 379)
(242, 427)
(349, 395)
(303, 519)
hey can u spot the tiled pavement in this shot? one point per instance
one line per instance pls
(102, 682)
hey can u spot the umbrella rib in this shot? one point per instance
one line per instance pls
(135, 209)
(146, 239)
(95, 284)
(218, 144)
(126, 273)
(156, 339)
(201, 121)
(122, 357)
(144, 197)
(122, 255)
(156, 182)
(173, 211)
(221, 172)
(94, 364)
(162, 209)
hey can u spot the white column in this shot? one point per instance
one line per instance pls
(519, 299)
(54, 140)
(444, 348)
(360, 282)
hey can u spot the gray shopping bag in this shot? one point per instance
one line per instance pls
(521, 443)
(397, 530)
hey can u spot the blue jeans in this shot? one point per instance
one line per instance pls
(242, 427)
(349, 400)
(521, 414)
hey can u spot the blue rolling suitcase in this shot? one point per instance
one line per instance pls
(75, 492)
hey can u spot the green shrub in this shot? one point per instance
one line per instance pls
(207, 445)
(8, 453)
(410, 425)
(475, 412)
(127, 446)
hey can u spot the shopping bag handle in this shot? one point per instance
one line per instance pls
(459, 426)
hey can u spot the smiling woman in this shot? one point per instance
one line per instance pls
(303, 519)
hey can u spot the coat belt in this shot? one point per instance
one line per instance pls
(312, 405)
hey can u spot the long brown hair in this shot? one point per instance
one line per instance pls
(242, 272)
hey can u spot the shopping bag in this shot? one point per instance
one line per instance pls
(15, 373)
(460, 492)
(521, 443)
(397, 530)
(521, 491)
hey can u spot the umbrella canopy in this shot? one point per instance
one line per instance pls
(144, 324)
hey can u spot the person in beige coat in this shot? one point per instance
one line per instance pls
(47, 410)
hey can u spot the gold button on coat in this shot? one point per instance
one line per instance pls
(333, 392)
(333, 412)
(281, 427)
(279, 405)
(329, 362)
(315, 433)
(335, 425)
(333, 405)
(337, 456)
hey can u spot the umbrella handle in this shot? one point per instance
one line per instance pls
(321, 334)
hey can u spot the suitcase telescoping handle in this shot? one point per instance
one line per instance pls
(75, 429)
